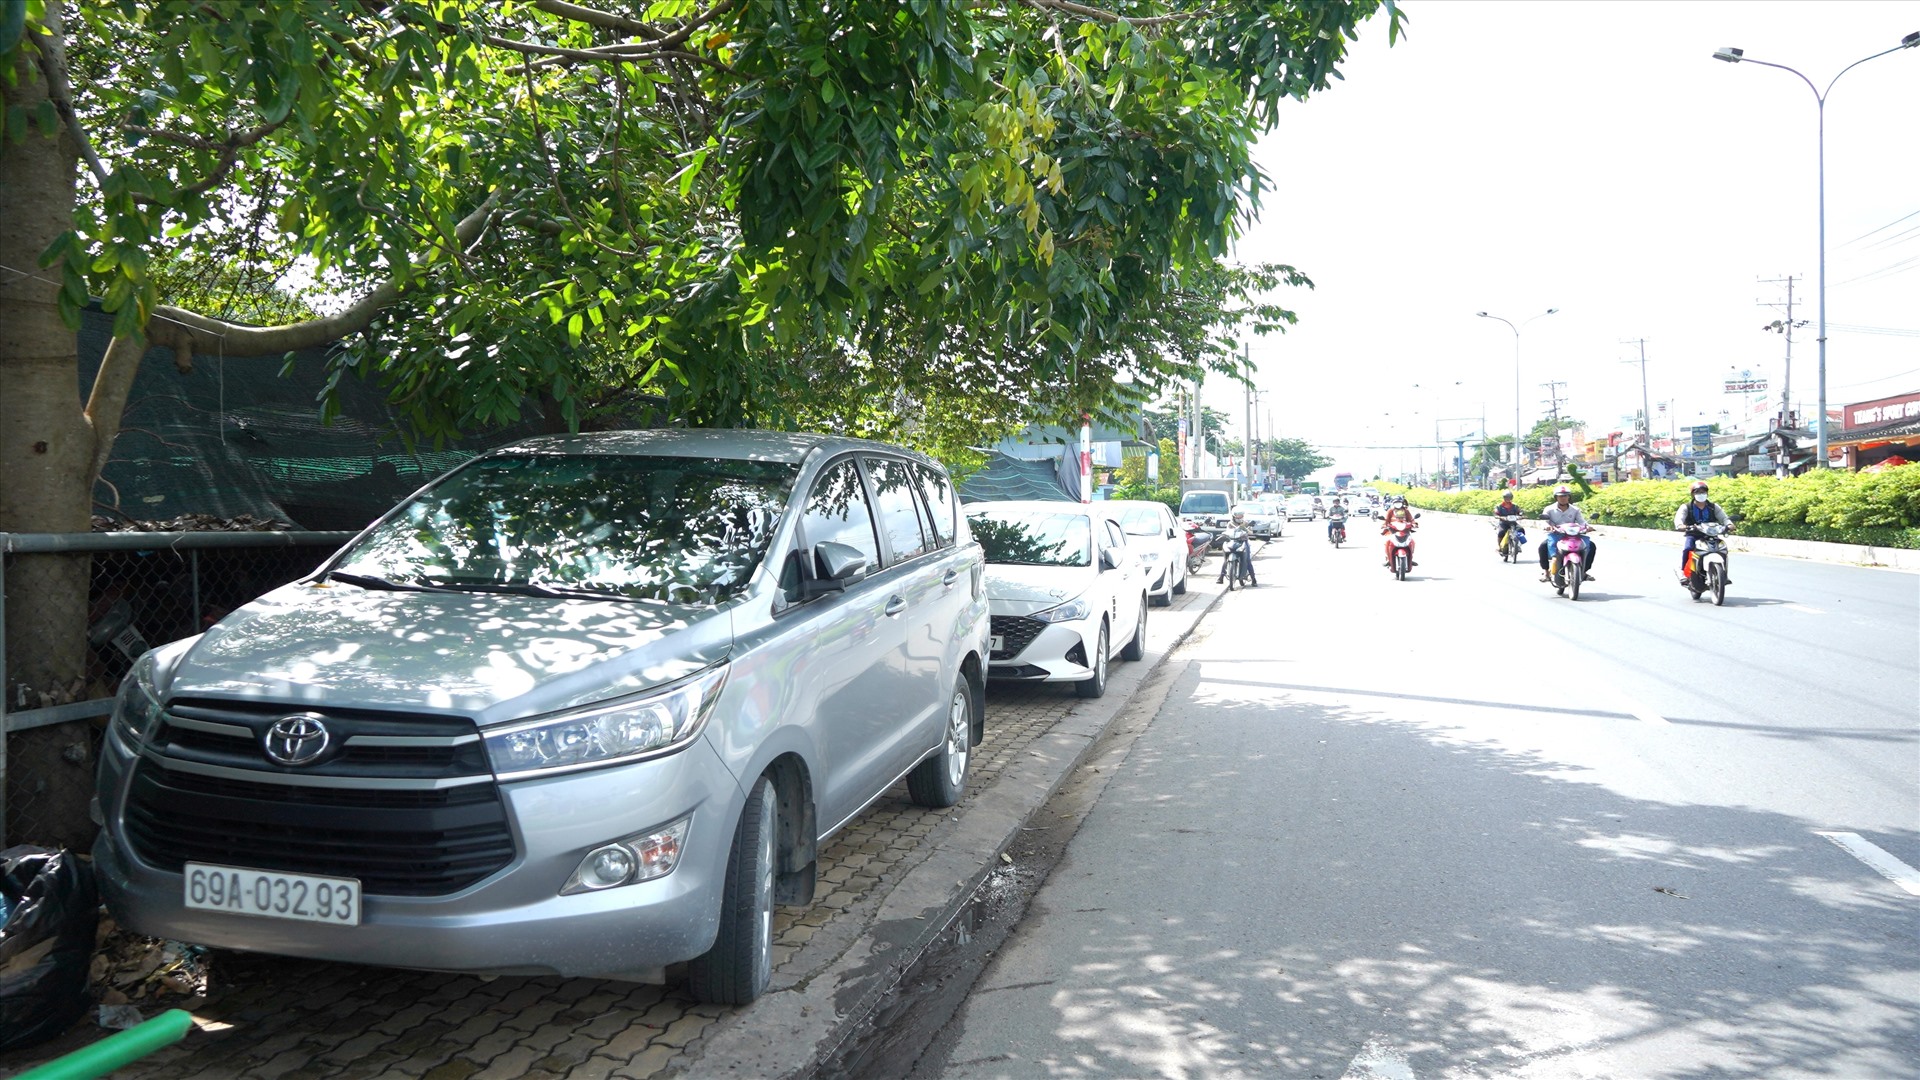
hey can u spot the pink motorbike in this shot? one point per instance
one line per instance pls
(1567, 556)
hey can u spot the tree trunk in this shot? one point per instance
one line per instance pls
(46, 456)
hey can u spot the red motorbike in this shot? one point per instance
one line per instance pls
(1399, 546)
(1199, 543)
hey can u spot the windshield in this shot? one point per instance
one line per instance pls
(685, 530)
(1252, 509)
(1033, 537)
(1142, 521)
(1204, 502)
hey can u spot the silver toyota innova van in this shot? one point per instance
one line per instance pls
(585, 705)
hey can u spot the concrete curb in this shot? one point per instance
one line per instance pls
(819, 1000)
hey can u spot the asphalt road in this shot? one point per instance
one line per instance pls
(1456, 826)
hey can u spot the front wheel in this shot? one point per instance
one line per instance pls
(740, 965)
(1576, 573)
(1717, 583)
(1195, 562)
(1096, 686)
(940, 780)
(1400, 565)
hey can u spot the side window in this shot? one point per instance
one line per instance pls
(837, 511)
(1116, 536)
(939, 494)
(898, 508)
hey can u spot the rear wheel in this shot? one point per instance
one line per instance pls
(942, 779)
(1094, 687)
(740, 964)
(1717, 582)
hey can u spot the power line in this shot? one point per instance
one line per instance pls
(1888, 225)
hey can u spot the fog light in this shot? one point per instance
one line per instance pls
(633, 859)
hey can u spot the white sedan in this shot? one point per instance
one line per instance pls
(1160, 541)
(1300, 506)
(1065, 590)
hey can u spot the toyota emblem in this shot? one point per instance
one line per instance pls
(297, 739)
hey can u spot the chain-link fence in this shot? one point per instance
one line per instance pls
(62, 655)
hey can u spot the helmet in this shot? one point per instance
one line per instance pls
(1239, 516)
(1399, 500)
(1699, 487)
(1563, 490)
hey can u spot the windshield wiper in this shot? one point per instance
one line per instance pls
(369, 581)
(529, 589)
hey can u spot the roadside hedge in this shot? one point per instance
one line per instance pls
(1881, 508)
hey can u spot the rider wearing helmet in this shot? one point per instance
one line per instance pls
(1559, 512)
(1336, 515)
(1698, 511)
(1240, 531)
(1508, 515)
(1396, 511)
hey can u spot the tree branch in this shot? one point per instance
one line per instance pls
(51, 50)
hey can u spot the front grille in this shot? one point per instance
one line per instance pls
(1015, 632)
(420, 819)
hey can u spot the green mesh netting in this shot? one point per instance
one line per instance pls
(235, 438)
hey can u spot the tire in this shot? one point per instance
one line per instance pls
(1194, 563)
(1096, 686)
(1575, 575)
(1717, 583)
(1180, 586)
(1400, 565)
(940, 780)
(740, 965)
(1137, 648)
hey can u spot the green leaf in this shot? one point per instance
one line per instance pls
(13, 24)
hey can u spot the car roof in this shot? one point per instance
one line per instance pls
(1052, 506)
(738, 443)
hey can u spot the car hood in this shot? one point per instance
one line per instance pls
(491, 656)
(1023, 590)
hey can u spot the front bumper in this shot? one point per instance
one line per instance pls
(1060, 652)
(513, 921)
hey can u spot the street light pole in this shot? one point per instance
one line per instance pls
(1735, 56)
(1516, 382)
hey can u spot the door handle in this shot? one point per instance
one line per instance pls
(950, 577)
(896, 605)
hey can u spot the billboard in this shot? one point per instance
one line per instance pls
(1880, 411)
(1746, 382)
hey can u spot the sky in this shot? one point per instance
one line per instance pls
(1595, 158)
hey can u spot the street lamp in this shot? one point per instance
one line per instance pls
(1516, 382)
(1735, 56)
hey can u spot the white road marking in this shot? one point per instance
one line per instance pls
(1378, 1061)
(1884, 864)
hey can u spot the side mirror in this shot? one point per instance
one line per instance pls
(1111, 558)
(836, 566)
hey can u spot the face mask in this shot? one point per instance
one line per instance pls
(1699, 496)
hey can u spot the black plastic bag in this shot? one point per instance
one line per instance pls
(46, 942)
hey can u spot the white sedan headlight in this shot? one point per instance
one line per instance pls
(654, 723)
(1070, 611)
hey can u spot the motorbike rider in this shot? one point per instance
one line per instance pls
(1560, 512)
(1396, 511)
(1237, 531)
(1336, 514)
(1698, 511)
(1508, 515)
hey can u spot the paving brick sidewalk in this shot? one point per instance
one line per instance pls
(887, 884)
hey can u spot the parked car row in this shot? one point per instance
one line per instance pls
(591, 705)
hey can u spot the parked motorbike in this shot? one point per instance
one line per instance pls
(1400, 540)
(1514, 544)
(1199, 543)
(1567, 556)
(1706, 569)
(1239, 556)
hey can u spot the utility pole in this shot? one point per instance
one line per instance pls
(1646, 416)
(1784, 327)
(1553, 410)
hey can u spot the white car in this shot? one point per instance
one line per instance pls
(1264, 519)
(1065, 592)
(1300, 506)
(1160, 542)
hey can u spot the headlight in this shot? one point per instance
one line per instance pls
(652, 724)
(1067, 612)
(138, 711)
